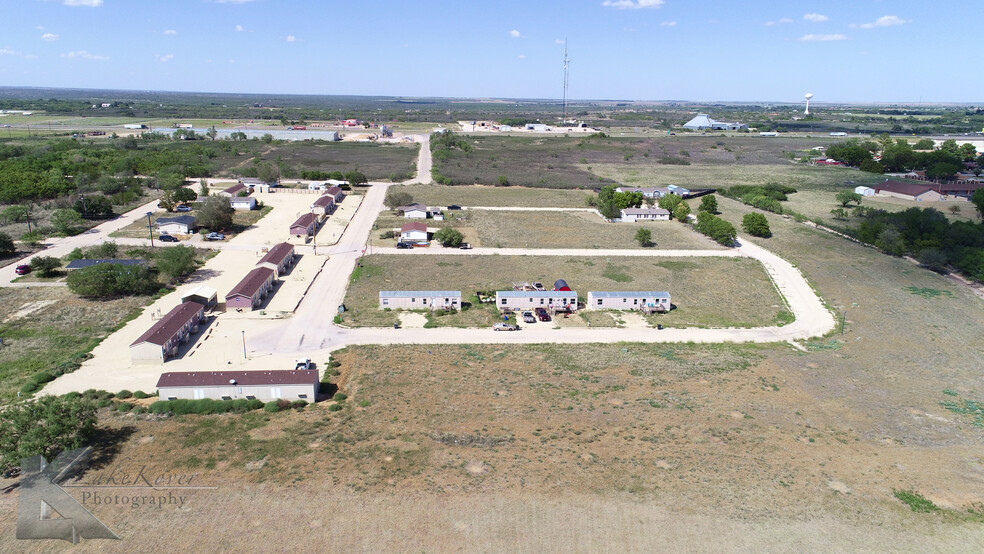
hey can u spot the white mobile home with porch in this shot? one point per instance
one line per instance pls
(420, 299)
(652, 301)
(552, 300)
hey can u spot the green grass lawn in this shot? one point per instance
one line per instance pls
(707, 292)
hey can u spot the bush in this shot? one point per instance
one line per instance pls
(337, 320)
(387, 234)
(396, 197)
(111, 280)
(299, 404)
(45, 265)
(335, 408)
(756, 224)
(204, 406)
(6, 245)
(339, 396)
(140, 394)
(124, 407)
(124, 394)
(718, 229)
(449, 237)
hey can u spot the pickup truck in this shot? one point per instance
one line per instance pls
(303, 363)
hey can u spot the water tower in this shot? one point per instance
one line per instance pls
(808, 96)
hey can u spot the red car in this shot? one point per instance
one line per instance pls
(22, 269)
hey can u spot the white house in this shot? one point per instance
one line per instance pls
(645, 214)
(414, 232)
(528, 299)
(413, 211)
(864, 191)
(420, 299)
(242, 203)
(647, 192)
(233, 385)
(317, 186)
(178, 225)
(654, 301)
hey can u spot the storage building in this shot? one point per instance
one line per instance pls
(279, 258)
(305, 225)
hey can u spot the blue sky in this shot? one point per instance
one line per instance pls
(751, 50)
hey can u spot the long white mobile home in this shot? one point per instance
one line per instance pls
(654, 301)
(529, 299)
(420, 299)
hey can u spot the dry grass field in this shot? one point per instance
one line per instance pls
(443, 195)
(747, 298)
(500, 229)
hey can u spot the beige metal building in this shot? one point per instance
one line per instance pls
(420, 299)
(233, 385)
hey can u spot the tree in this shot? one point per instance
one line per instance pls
(396, 197)
(681, 211)
(215, 213)
(13, 214)
(756, 224)
(845, 197)
(718, 229)
(45, 265)
(185, 195)
(708, 203)
(237, 135)
(66, 221)
(644, 236)
(203, 187)
(267, 138)
(212, 132)
(7, 247)
(449, 237)
(267, 173)
(98, 207)
(871, 166)
(839, 213)
(176, 262)
(356, 178)
(923, 144)
(978, 200)
(669, 201)
(606, 202)
(113, 280)
(47, 426)
(502, 181)
(167, 200)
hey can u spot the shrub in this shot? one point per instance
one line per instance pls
(271, 407)
(299, 404)
(335, 408)
(124, 394)
(339, 396)
(140, 394)
(756, 224)
(337, 320)
(387, 234)
(124, 407)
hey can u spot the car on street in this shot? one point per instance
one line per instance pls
(465, 246)
(404, 245)
(542, 314)
(168, 238)
(505, 327)
(22, 269)
(454, 207)
(528, 317)
(215, 236)
(183, 208)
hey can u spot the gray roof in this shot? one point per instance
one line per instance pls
(240, 378)
(79, 264)
(641, 211)
(188, 220)
(417, 293)
(630, 294)
(535, 293)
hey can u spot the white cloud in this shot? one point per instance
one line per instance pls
(39, 27)
(49, 37)
(165, 58)
(85, 3)
(785, 20)
(83, 55)
(883, 21)
(232, 61)
(821, 38)
(770, 23)
(522, 56)
(559, 41)
(668, 24)
(239, 28)
(815, 17)
(632, 4)
(514, 33)
(8, 52)
(291, 38)
(170, 32)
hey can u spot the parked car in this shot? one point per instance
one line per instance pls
(454, 207)
(465, 246)
(167, 238)
(404, 245)
(22, 269)
(528, 317)
(183, 208)
(215, 236)
(505, 327)
(303, 363)
(542, 314)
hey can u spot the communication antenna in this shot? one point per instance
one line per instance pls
(566, 65)
(807, 96)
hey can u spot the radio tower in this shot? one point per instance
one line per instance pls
(566, 64)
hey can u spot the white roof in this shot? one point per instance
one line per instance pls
(630, 294)
(417, 293)
(702, 121)
(535, 293)
(645, 211)
(201, 290)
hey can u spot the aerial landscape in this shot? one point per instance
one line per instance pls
(599, 276)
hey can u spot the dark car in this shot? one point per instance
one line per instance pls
(454, 207)
(465, 246)
(22, 269)
(167, 238)
(404, 245)
(542, 314)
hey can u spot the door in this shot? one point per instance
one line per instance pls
(275, 392)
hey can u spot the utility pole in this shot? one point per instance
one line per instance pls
(315, 232)
(85, 213)
(244, 345)
(150, 228)
(566, 64)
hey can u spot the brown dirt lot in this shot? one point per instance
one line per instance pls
(442, 195)
(747, 298)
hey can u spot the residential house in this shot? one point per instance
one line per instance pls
(652, 301)
(530, 299)
(645, 214)
(317, 186)
(178, 225)
(336, 193)
(420, 299)
(414, 232)
(166, 335)
(234, 385)
(413, 211)
(907, 191)
(647, 192)
(234, 190)
(251, 291)
(306, 225)
(244, 203)
(279, 258)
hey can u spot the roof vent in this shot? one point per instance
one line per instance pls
(232, 381)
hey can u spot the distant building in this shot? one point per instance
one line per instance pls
(530, 299)
(703, 122)
(253, 288)
(907, 191)
(645, 214)
(234, 190)
(305, 226)
(245, 203)
(413, 211)
(864, 191)
(647, 192)
(279, 258)
(324, 205)
(206, 296)
(178, 225)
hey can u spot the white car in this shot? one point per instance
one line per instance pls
(505, 327)
(303, 363)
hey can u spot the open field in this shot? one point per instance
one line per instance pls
(817, 203)
(378, 162)
(520, 229)
(744, 298)
(50, 329)
(443, 195)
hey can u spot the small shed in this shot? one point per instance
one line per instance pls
(864, 191)
(206, 296)
(561, 284)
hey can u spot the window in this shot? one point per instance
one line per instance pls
(503, 301)
(250, 397)
(541, 301)
(386, 301)
(624, 300)
(226, 397)
(635, 302)
(275, 392)
(599, 301)
(172, 397)
(199, 394)
(412, 300)
(302, 396)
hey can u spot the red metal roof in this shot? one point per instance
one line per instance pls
(277, 254)
(304, 221)
(898, 187)
(323, 201)
(334, 191)
(234, 189)
(414, 226)
(251, 282)
(169, 325)
(246, 378)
